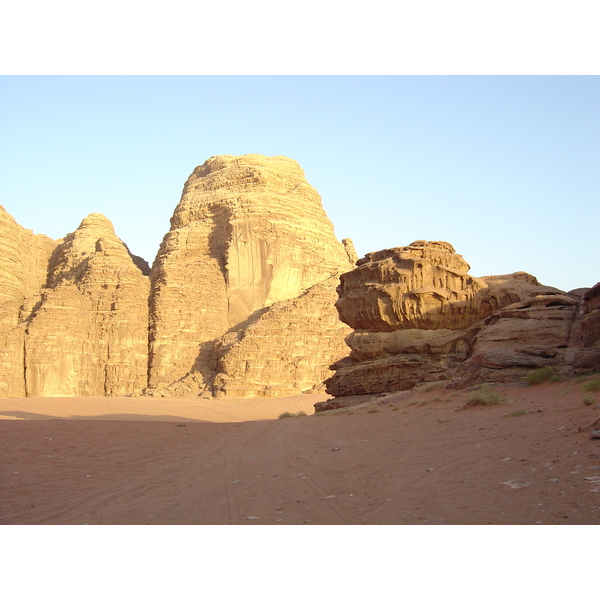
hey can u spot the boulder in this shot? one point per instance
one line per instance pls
(419, 316)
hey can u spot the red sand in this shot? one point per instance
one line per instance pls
(410, 458)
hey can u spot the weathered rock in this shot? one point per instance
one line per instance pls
(591, 321)
(527, 335)
(425, 285)
(248, 233)
(24, 264)
(88, 337)
(287, 350)
(350, 250)
(419, 316)
(240, 302)
(77, 313)
(587, 359)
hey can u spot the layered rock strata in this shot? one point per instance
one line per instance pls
(89, 335)
(587, 359)
(248, 234)
(239, 302)
(419, 316)
(82, 329)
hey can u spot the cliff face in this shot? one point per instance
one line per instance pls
(24, 265)
(419, 316)
(82, 327)
(248, 234)
(240, 299)
(88, 336)
(588, 357)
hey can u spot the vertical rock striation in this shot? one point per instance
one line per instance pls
(81, 328)
(239, 302)
(587, 359)
(24, 264)
(248, 234)
(89, 335)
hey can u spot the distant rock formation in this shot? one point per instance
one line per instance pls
(418, 316)
(239, 301)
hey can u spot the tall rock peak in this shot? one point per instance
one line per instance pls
(248, 232)
(97, 222)
(239, 301)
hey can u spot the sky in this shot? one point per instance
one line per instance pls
(505, 168)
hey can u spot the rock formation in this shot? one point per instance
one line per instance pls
(419, 316)
(239, 302)
(588, 357)
(24, 263)
(82, 328)
(248, 234)
(89, 335)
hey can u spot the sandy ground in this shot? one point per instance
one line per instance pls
(408, 458)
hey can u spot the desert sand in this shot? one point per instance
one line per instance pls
(404, 458)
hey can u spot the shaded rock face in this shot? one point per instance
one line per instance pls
(248, 234)
(418, 316)
(239, 302)
(587, 359)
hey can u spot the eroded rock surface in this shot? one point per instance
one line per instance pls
(24, 265)
(248, 234)
(587, 359)
(239, 302)
(89, 335)
(82, 331)
(419, 316)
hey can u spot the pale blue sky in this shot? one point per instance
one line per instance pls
(506, 168)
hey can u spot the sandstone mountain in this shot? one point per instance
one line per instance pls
(239, 301)
(81, 327)
(419, 316)
(248, 234)
(24, 265)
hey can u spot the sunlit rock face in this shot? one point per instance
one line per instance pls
(419, 316)
(82, 328)
(89, 335)
(248, 234)
(24, 265)
(239, 302)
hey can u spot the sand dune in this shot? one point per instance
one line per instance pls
(408, 458)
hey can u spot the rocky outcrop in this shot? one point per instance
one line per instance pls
(89, 334)
(523, 336)
(248, 235)
(239, 302)
(587, 359)
(83, 329)
(287, 350)
(419, 316)
(24, 264)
